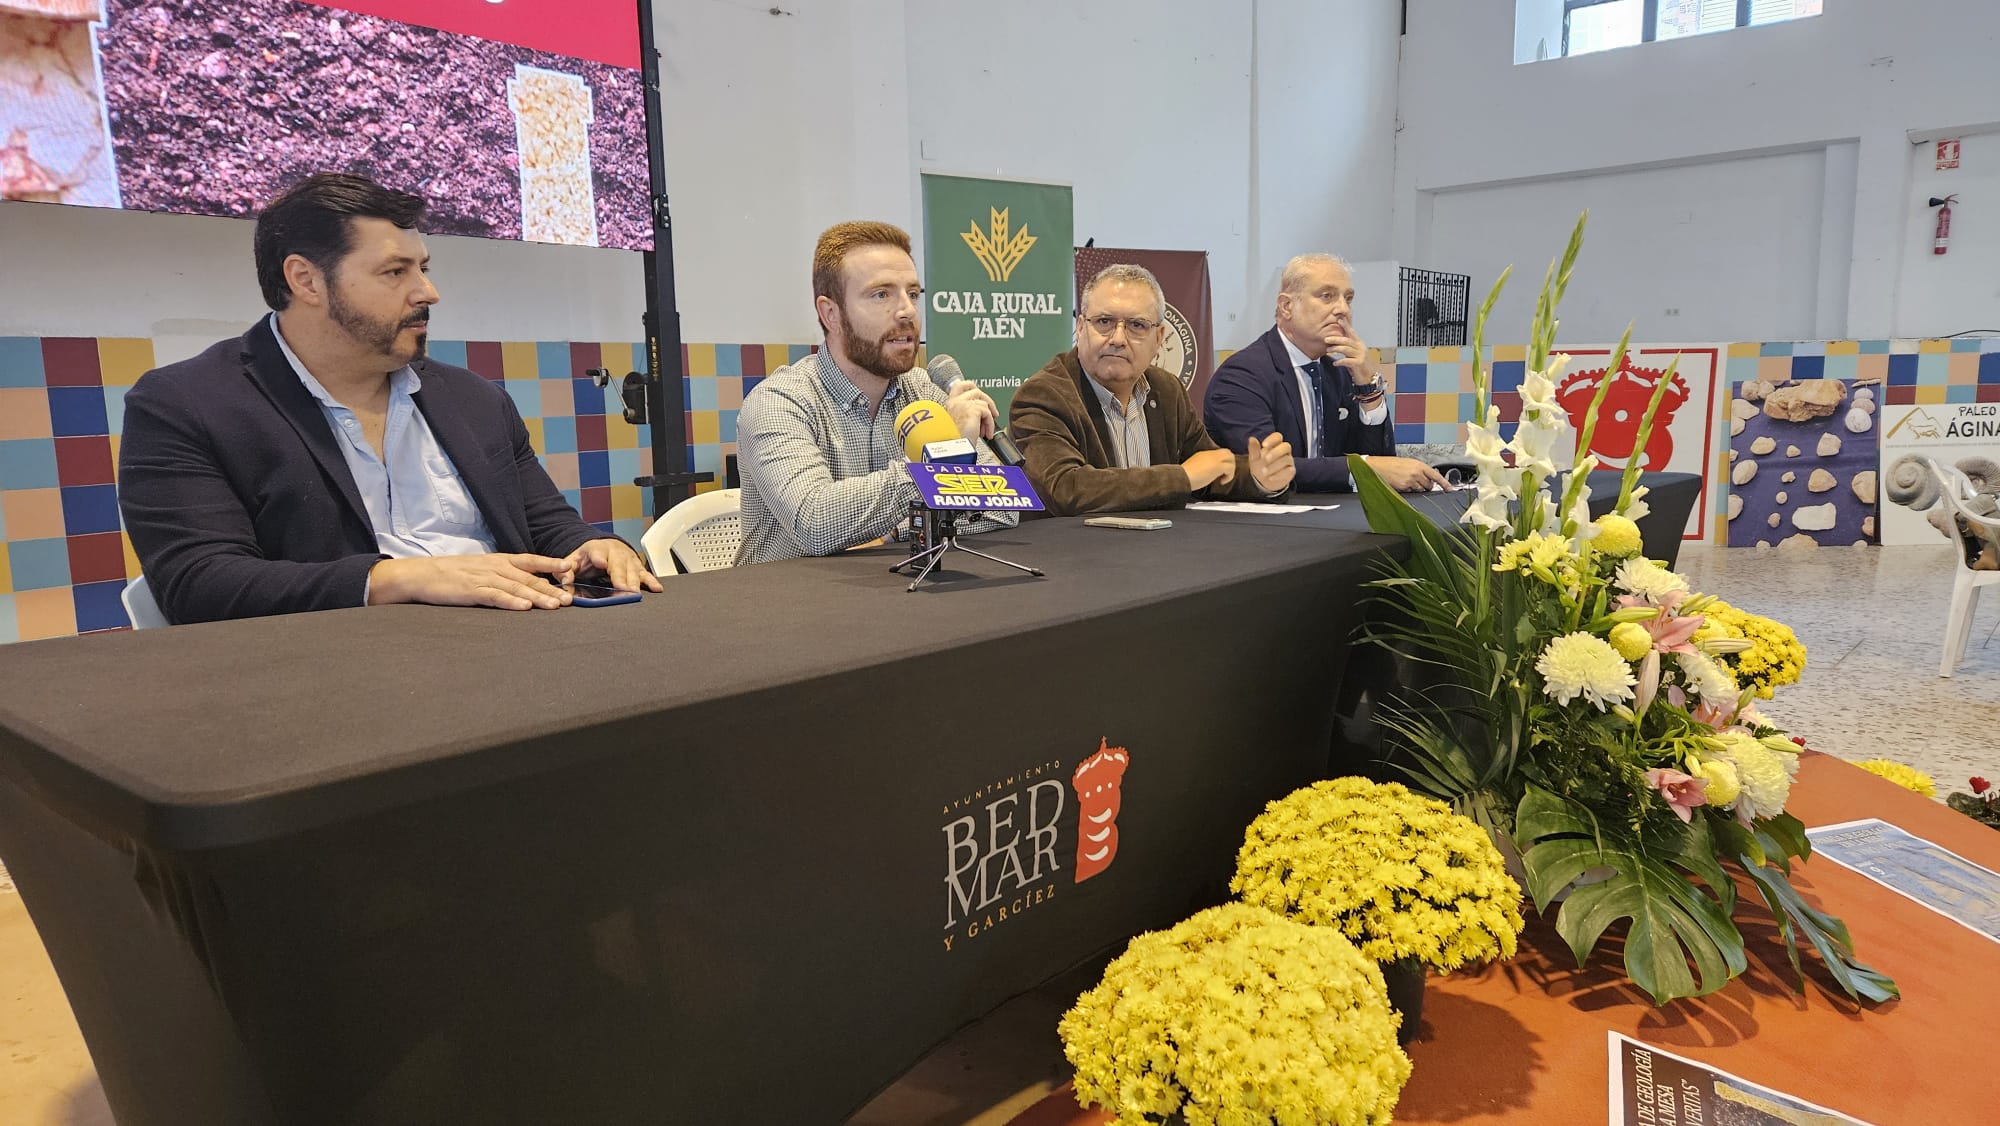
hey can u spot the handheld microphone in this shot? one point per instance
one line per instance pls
(945, 372)
(929, 435)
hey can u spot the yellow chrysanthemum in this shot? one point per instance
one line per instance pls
(1544, 555)
(1723, 785)
(1908, 777)
(1238, 1015)
(1617, 537)
(1775, 657)
(1399, 874)
(1631, 640)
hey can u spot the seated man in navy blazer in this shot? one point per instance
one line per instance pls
(321, 461)
(1308, 378)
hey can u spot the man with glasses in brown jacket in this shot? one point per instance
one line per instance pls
(1104, 431)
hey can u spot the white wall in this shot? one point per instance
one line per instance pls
(1862, 74)
(1959, 290)
(1717, 250)
(1253, 129)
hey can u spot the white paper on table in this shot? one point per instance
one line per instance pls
(1245, 506)
(1917, 869)
(1650, 1085)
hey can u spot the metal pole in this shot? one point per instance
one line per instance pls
(666, 405)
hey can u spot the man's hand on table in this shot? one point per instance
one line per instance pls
(1406, 474)
(613, 558)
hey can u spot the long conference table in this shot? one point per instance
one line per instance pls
(741, 852)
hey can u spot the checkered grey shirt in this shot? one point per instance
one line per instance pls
(820, 474)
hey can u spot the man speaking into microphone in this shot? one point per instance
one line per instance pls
(822, 463)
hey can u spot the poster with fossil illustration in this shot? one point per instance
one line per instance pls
(1802, 463)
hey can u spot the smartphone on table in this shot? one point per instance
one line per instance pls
(592, 595)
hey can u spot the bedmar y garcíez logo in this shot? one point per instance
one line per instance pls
(1002, 853)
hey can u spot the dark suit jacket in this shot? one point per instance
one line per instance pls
(239, 502)
(1059, 425)
(1256, 391)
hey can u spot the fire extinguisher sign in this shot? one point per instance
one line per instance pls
(1947, 155)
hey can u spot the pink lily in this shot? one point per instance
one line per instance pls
(1671, 634)
(1682, 791)
(1649, 683)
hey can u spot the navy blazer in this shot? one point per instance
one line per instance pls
(239, 501)
(1256, 391)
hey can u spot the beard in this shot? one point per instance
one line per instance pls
(383, 335)
(871, 356)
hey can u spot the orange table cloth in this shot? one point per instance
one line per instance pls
(1524, 1042)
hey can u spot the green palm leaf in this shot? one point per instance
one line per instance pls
(1673, 920)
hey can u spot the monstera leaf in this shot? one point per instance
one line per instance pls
(1765, 855)
(1673, 920)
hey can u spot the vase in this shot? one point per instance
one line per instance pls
(1405, 979)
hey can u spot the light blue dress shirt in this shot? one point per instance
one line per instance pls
(1131, 437)
(416, 502)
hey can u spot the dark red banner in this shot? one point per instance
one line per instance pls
(1189, 349)
(603, 31)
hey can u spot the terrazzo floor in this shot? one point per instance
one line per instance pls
(1872, 620)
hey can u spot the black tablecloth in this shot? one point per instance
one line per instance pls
(711, 858)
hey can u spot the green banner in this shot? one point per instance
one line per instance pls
(997, 278)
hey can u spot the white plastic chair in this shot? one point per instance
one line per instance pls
(140, 606)
(700, 533)
(1965, 589)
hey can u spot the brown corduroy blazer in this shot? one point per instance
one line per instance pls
(1059, 425)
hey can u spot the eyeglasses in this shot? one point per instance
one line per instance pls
(1134, 326)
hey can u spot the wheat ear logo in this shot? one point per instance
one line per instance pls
(995, 251)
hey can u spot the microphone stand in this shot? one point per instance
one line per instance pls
(942, 525)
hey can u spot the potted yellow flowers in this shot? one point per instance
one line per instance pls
(1238, 1015)
(1411, 883)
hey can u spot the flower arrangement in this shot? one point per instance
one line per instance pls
(1242, 1017)
(1906, 776)
(1982, 804)
(1588, 706)
(1399, 874)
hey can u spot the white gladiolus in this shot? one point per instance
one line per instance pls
(1490, 507)
(1636, 507)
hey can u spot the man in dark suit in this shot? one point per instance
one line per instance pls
(1308, 378)
(1102, 430)
(321, 461)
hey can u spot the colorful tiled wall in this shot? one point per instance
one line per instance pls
(1434, 385)
(64, 557)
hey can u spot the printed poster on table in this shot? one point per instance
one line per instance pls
(996, 278)
(524, 120)
(1681, 431)
(1650, 1087)
(1911, 866)
(1962, 436)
